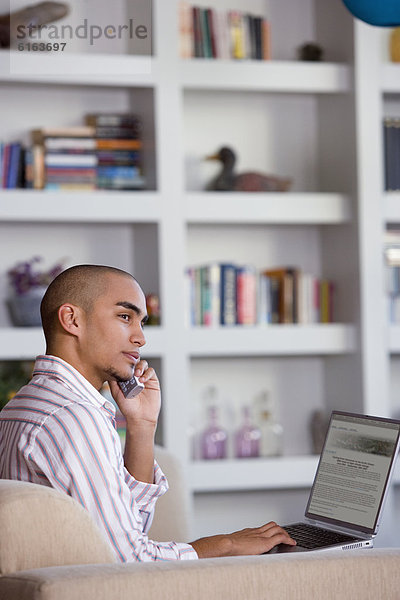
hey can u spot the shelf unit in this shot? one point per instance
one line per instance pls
(312, 121)
(273, 340)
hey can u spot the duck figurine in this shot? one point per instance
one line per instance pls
(250, 181)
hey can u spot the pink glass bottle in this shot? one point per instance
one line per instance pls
(213, 438)
(247, 438)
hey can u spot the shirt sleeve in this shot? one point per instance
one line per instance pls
(75, 450)
(145, 495)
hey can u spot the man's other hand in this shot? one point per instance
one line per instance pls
(245, 542)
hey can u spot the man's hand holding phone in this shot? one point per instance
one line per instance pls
(144, 408)
(141, 414)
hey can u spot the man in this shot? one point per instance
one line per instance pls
(59, 430)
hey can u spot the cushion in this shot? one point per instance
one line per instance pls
(41, 527)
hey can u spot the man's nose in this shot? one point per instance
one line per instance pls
(138, 337)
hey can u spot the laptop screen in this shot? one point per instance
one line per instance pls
(353, 471)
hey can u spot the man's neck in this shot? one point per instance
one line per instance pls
(75, 361)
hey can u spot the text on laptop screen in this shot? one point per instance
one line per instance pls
(353, 470)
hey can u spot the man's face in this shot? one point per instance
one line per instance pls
(113, 335)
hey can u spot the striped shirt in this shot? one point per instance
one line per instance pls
(60, 431)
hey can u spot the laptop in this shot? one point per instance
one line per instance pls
(346, 501)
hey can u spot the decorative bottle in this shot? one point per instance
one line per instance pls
(213, 438)
(247, 437)
(271, 430)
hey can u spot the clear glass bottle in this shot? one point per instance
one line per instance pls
(271, 430)
(214, 437)
(247, 437)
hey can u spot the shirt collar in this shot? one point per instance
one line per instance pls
(53, 366)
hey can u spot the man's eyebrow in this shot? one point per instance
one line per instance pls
(136, 309)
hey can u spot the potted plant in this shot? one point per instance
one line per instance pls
(28, 285)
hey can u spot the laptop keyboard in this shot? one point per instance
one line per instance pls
(309, 536)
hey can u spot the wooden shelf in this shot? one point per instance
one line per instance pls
(71, 207)
(271, 340)
(265, 76)
(274, 208)
(78, 69)
(24, 343)
(253, 474)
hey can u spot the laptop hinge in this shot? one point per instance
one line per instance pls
(345, 530)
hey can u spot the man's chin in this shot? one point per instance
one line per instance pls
(119, 376)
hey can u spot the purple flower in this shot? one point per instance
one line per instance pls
(23, 277)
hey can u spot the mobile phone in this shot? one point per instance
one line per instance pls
(131, 388)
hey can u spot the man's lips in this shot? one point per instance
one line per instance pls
(133, 356)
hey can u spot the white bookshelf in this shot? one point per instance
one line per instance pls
(274, 76)
(391, 204)
(272, 340)
(82, 207)
(253, 474)
(78, 69)
(273, 208)
(394, 339)
(318, 123)
(390, 78)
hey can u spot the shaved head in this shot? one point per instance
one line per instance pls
(80, 285)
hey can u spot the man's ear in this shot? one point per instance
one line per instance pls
(71, 318)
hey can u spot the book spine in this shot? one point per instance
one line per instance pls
(206, 317)
(15, 156)
(215, 285)
(197, 50)
(212, 33)
(190, 318)
(38, 167)
(264, 300)
(6, 165)
(396, 175)
(127, 120)
(258, 42)
(185, 30)
(324, 301)
(236, 34)
(1, 163)
(228, 295)
(316, 300)
(386, 146)
(286, 299)
(246, 296)
(275, 286)
(118, 171)
(69, 160)
(118, 144)
(206, 34)
(224, 36)
(64, 143)
(266, 40)
(197, 296)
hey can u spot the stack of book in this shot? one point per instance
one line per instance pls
(228, 294)
(206, 33)
(12, 165)
(391, 136)
(392, 259)
(62, 158)
(118, 151)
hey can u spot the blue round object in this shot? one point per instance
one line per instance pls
(382, 13)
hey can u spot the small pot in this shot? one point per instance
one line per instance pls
(25, 308)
